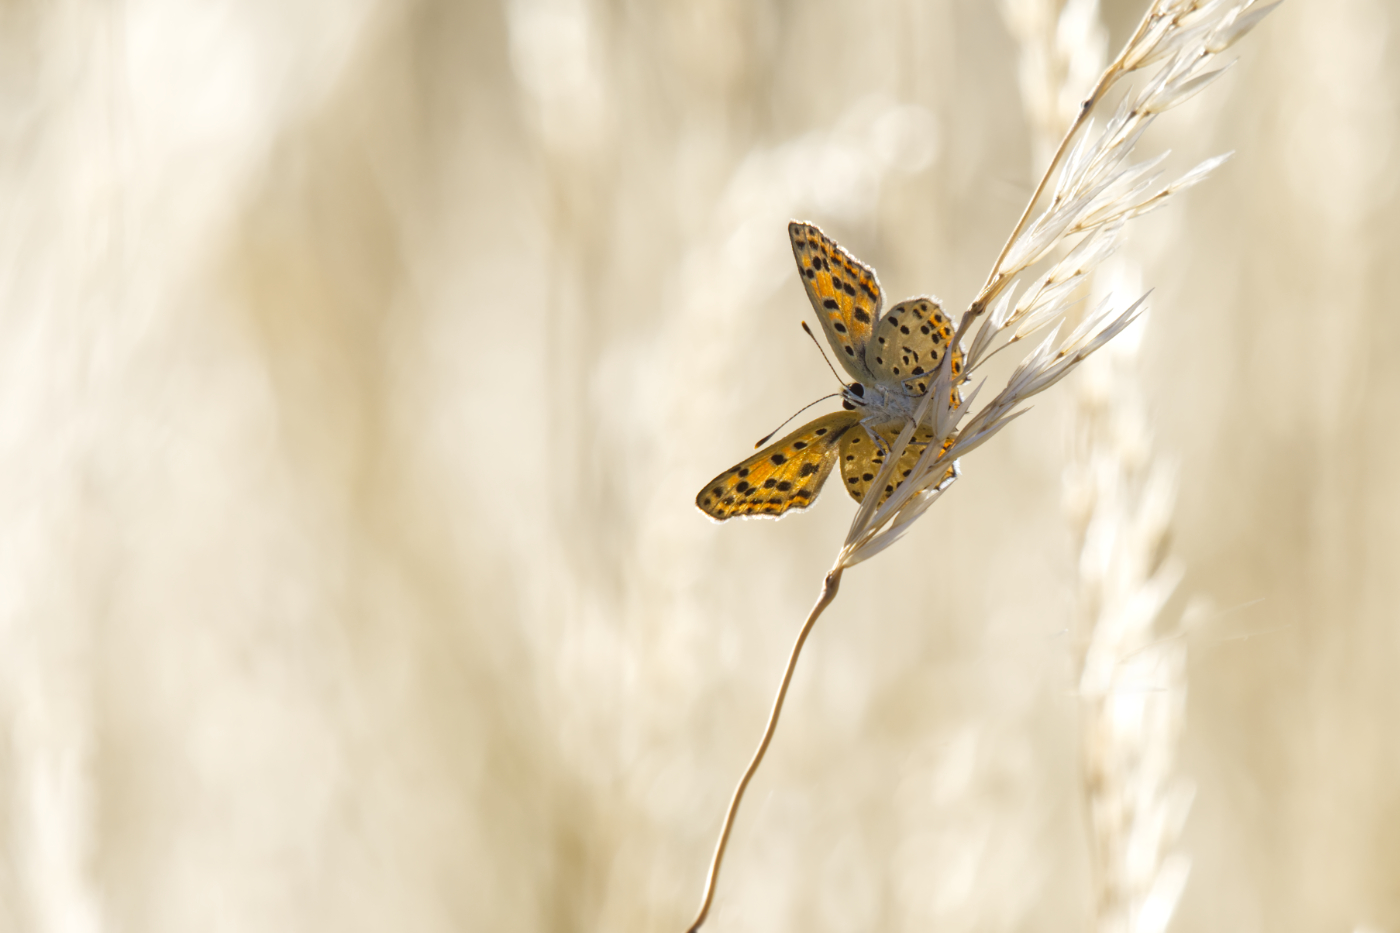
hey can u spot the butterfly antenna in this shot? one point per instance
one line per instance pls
(799, 411)
(823, 356)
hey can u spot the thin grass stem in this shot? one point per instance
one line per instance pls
(830, 586)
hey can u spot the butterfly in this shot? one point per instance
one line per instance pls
(892, 360)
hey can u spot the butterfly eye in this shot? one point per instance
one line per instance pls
(857, 389)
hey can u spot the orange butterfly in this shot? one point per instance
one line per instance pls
(891, 358)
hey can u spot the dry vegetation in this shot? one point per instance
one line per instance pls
(360, 361)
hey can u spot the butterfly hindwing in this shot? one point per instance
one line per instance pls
(861, 458)
(909, 342)
(782, 476)
(844, 293)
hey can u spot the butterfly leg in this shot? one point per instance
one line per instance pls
(869, 425)
(878, 438)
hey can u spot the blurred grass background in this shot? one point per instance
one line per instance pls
(359, 362)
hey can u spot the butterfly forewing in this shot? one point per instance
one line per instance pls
(844, 293)
(782, 476)
(910, 342)
(861, 458)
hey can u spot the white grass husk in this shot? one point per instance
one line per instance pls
(1094, 191)
(1132, 668)
(1131, 682)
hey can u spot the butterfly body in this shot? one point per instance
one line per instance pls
(882, 403)
(892, 358)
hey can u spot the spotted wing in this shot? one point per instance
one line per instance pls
(910, 342)
(844, 292)
(861, 458)
(782, 476)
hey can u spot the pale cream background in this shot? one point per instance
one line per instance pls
(358, 364)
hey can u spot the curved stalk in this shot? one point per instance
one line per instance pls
(830, 585)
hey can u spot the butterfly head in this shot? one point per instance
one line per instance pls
(852, 396)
